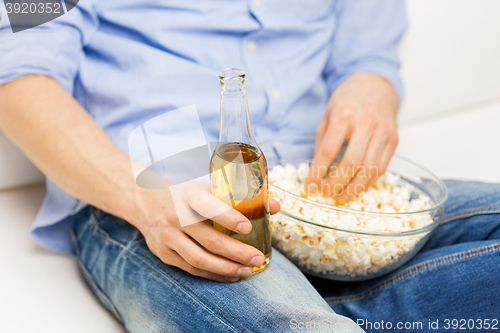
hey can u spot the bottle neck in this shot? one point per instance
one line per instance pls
(235, 123)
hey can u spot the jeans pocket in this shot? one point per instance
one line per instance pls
(95, 220)
(112, 228)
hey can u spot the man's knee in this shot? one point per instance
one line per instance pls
(470, 196)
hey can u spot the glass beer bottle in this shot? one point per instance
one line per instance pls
(238, 168)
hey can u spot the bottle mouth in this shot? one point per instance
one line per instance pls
(232, 74)
(232, 79)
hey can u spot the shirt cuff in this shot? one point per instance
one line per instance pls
(388, 70)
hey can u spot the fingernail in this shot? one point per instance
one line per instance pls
(244, 228)
(231, 278)
(245, 271)
(257, 261)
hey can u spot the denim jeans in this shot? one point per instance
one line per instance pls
(454, 277)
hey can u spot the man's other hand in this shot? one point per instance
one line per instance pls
(362, 111)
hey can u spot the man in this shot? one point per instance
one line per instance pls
(74, 89)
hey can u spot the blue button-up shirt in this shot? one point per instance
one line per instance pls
(127, 61)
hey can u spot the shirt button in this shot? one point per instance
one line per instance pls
(256, 3)
(276, 93)
(252, 46)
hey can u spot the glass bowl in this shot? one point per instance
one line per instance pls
(348, 251)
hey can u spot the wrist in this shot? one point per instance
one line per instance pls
(128, 205)
(122, 200)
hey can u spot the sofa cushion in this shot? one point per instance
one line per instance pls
(42, 291)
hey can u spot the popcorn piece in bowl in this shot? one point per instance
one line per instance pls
(325, 251)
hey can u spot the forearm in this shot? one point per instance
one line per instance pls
(65, 143)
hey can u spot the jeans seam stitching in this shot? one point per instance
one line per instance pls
(160, 272)
(100, 292)
(178, 286)
(470, 212)
(408, 272)
(93, 282)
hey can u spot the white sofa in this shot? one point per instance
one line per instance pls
(448, 123)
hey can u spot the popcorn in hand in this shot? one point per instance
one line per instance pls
(326, 251)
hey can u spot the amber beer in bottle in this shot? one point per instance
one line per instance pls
(238, 168)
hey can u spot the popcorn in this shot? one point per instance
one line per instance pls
(345, 253)
(302, 171)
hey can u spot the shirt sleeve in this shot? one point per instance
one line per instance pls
(366, 40)
(53, 49)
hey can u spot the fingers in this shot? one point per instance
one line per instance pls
(324, 155)
(349, 164)
(174, 259)
(220, 243)
(389, 150)
(274, 206)
(360, 109)
(367, 173)
(207, 205)
(197, 257)
(378, 156)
